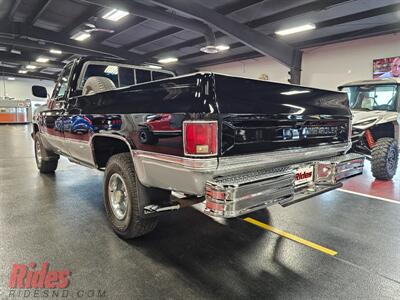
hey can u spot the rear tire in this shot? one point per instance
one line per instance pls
(385, 155)
(125, 198)
(46, 160)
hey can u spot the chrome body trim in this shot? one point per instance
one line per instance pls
(189, 175)
(235, 195)
(274, 159)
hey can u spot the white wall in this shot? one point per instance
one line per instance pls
(21, 88)
(253, 68)
(323, 67)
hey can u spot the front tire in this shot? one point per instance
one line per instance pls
(46, 161)
(125, 198)
(385, 155)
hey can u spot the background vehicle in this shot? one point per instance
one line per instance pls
(232, 145)
(376, 117)
(160, 125)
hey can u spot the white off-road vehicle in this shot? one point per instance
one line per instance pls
(376, 122)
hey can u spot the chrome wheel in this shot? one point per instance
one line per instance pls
(118, 197)
(38, 153)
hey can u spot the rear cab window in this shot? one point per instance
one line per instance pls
(120, 74)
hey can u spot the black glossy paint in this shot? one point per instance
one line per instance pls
(253, 115)
(248, 96)
(187, 94)
(60, 219)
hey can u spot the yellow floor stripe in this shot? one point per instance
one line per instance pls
(291, 236)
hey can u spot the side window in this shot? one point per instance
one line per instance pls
(126, 76)
(160, 75)
(61, 88)
(142, 76)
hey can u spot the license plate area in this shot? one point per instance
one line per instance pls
(304, 175)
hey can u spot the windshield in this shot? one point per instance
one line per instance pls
(379, 97)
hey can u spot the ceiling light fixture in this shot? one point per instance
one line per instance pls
(42, 60)
(55, 51)
(115, 15)
(31, 67)
(80, 36)
(210, 49)
(223, 47)
(167, 60)
(155, 67)
(295, 92)
(295, 29)
(22, 71)
(11, 78)
(15, 51)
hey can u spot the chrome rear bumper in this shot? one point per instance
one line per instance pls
(234, 195)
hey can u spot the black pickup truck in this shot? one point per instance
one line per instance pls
(231, 145)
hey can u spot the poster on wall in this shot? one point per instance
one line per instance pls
(386, 67)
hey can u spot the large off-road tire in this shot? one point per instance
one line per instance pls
(385, 155)
(147, 137)
(97, 84)
(46, 160)
(125, 197)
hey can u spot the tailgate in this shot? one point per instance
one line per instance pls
(259, 116)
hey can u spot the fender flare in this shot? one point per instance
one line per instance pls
(110, 136)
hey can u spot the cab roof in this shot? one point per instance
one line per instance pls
(378, 81)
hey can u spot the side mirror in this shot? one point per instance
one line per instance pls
(39, 91)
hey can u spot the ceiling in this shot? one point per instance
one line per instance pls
(30, 28)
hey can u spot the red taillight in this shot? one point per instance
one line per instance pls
(200, 138)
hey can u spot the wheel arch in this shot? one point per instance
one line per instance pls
(35, 128)
(104, 146)
(387, 129)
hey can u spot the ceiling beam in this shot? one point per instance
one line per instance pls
(224, 9)
(295, 11)
(348, 36)
(360, 16)
(228, 59)
(343, 37)
(188, 43)
(152, 38)
(5, 71)
(93, 11)
(58, 40)
(89, 12)
(13, 9)
(24, 62)
(254, 39)
(40, 8)
(327, 23)
(46, 46)
(301, 9)
(160, 15)
(134, 21)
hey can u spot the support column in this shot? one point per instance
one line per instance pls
(295, 69)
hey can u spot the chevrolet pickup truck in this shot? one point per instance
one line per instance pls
(229, 145)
